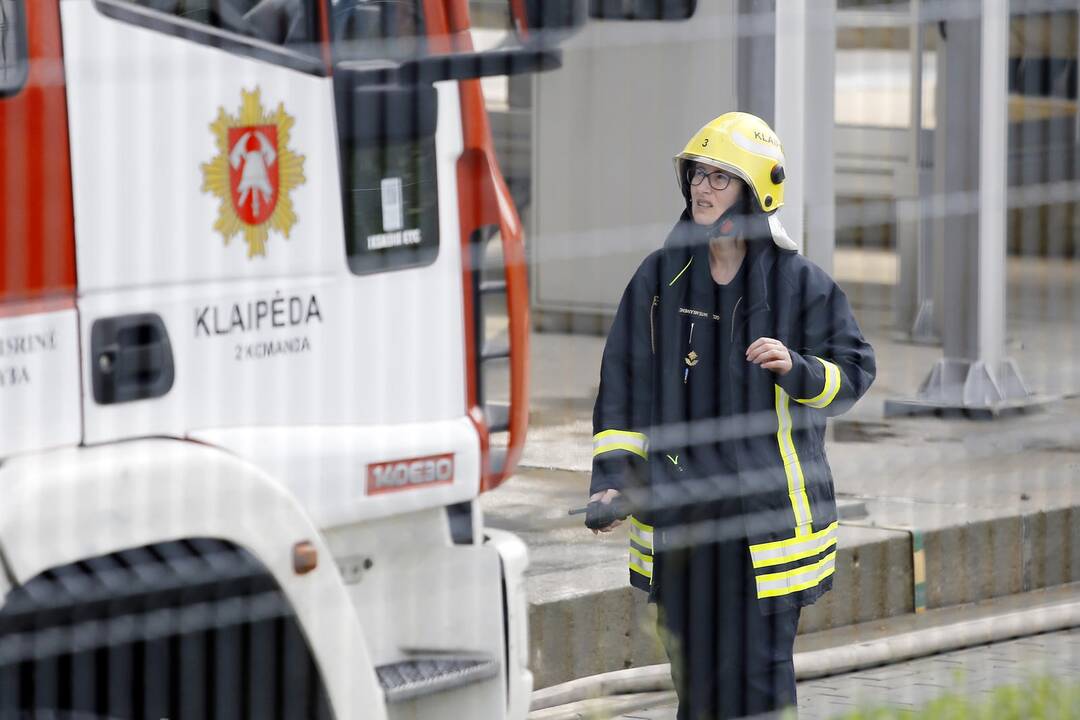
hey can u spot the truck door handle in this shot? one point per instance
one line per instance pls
(131, 358)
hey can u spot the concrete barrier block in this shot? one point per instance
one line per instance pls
(974, 561)
(591, 634)
(1051, 547)
(873, 580)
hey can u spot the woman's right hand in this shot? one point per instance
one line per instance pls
(606, 497)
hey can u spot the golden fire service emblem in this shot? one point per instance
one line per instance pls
(253, 172)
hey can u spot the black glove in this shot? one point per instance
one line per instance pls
(599, 515)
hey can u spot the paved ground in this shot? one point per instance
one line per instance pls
(972, 673)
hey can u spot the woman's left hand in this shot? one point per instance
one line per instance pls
(770, 354)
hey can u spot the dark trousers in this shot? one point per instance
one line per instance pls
(728, 659)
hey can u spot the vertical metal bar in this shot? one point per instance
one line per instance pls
(193, 692)
(924, 264)
(937, 206)
(913, 290)
(915, 45)
(263, 649)
(993, 159)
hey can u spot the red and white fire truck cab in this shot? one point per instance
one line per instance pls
(242, 423)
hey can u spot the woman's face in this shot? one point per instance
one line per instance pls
(706, 202)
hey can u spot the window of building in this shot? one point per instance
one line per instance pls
(642, 9)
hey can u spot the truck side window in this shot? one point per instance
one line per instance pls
(391, 192)
(288, 23)
(12, 47)
(642, 9)
(388, 29)
(387, 135)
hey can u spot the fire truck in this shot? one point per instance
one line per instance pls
(243, 425)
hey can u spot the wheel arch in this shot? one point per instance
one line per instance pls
(66, 505)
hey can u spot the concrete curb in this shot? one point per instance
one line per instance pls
(653, 678)
(562, 702)
(931, 641)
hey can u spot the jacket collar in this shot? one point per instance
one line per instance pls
(761, 254)
(687, 240)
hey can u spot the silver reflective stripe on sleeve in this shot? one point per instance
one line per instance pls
(641, 533)
(612, 440)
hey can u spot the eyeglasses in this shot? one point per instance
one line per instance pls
(718, 179)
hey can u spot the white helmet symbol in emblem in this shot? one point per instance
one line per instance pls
(255, 153)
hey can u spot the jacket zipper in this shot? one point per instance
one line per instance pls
(733, 311)
(690, 347)
(652, 327)
(742, 324)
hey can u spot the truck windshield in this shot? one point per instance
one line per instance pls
(289, 23)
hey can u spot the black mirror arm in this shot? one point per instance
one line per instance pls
(455, 66)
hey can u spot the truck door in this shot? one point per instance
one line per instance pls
(202, 146)
(39, 340)
(221, 283)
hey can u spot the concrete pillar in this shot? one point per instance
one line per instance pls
(974, 375)
(755, 67)
(805, 75)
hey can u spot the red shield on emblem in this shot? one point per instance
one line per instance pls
(253, 172)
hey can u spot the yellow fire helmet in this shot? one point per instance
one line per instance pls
(744, 145)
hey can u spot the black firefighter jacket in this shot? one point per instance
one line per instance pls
(773, 442)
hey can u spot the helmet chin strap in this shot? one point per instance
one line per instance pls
(729, 224)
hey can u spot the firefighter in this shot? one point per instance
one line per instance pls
(728, 353)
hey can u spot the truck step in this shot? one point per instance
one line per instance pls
(416, 677)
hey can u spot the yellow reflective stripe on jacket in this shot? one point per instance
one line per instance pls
(781, 552)
(829, 392)
(610, 440)
(641, 563)
(800, 504)
(797, 580)
(676, 278)
(641, 533)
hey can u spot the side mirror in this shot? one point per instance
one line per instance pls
(547, 22)
(642, 9)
